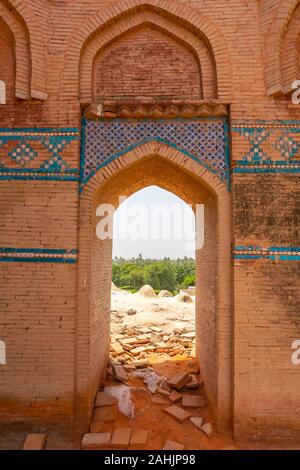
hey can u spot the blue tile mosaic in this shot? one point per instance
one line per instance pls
(273, 146)
(274, 253)
(23, 145)
(205, 141)
(38, 255)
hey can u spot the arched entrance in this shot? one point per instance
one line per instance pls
(149, 124)
(157, 163)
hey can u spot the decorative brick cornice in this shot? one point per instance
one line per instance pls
(156, 109)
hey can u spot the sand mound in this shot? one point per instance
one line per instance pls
(147, 291)
(165, 293)
(184, 297)
(114, 287)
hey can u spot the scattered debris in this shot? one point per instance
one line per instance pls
(35, 442)
(163, 392)
(96, 441)
(137, 351)
(119, 373)
(156, 329)
(122, 395)
(171, 445)
(193, 401)
(152, 340)
(121, 438)
(189, 335)
(207, 429)
(105, 413)
(103, 399)
(131, 311)
(150, 378)
(178, 413)
(193, 383)
(139, 438)
(175, 396)
(179, 380)
(116, 348)
(159, 400)
(197, 421)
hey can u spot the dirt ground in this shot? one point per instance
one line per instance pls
(167, 312)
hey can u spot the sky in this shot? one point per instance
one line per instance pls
(154, 223)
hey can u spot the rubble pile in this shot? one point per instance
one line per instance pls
(139, 346)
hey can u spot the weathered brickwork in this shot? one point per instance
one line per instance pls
(120, 68)
(60, 60)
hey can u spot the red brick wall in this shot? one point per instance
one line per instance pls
(266, 306)
(101, 273)
(207, 305)
(38, 302)
(147, 63)
(264, 381)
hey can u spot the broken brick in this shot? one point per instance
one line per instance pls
(193, 383)
(121, 438)
(207, 429)
(159, 401)
(103, 399)
(175, 396)
(197, 421)
(119, 373)
(105, 413)
(193, 401)
(171, 445)
(163, 392)
(138, 350)
(116, 348)
(177, 413)
(96, 440)
(35, 442)
(139, 438)
(179, 380)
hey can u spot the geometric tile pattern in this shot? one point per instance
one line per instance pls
(287, 146)
(37, 153)
(275, 253)
(23, 153)
(203, 140)
(273, 146)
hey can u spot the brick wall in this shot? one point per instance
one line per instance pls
(246, 40)
(266, 300)
(207, 287)
(147, 63)
(37, 302)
